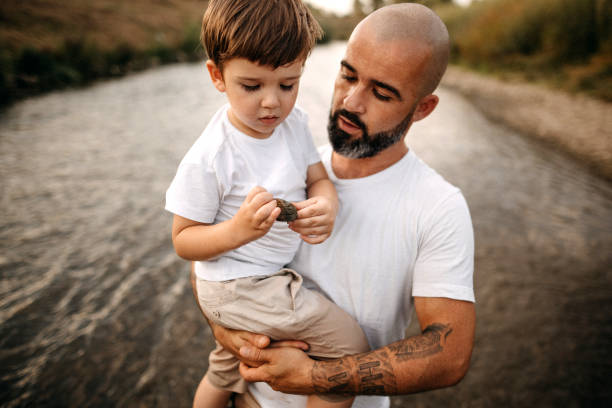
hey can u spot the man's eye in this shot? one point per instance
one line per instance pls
(381, 96)
(349, 78)
(250, 88)
(286, 87)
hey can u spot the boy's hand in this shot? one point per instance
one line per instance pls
(316, 217)
(256, 215)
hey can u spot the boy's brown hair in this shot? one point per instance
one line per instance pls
(267, 32)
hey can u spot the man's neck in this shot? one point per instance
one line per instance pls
(347, 168)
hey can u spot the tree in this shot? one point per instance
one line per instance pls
(358, 9)
(376, 4)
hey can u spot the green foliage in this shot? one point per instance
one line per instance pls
(335, 28)
(30, 71)
(191, 45)
(562, 30)
(565, 41)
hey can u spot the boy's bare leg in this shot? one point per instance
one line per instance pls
(316, 402)
(209, 396)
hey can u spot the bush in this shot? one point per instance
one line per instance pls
(562, 30)
(539, 38)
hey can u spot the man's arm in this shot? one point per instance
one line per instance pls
(438, 357)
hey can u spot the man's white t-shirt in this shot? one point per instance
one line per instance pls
(220, 169)
(399, 233)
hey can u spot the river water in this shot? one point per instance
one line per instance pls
(96, 309)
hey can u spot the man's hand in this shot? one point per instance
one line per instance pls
(234, 340)
(285, 369)
(316, 217)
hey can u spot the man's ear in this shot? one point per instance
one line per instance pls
(216, 76)
(425, 106)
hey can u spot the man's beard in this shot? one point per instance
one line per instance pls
(367, 145)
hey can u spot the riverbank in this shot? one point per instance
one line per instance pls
(578, 125)
(44, 47)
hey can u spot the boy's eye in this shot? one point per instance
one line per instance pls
(381, 96)
(286, 87)
(250, 88)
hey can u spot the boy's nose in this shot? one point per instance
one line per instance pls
(270, 100)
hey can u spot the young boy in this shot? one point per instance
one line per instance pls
(255, 149)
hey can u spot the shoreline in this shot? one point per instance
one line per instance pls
(550, 116)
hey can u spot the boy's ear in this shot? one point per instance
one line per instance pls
(425, 107)
(216, 76)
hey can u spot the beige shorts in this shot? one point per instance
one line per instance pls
(279, 307)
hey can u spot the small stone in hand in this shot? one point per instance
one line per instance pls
(288, 210)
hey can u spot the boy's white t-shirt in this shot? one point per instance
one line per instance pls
(220, 169)
(399, 233)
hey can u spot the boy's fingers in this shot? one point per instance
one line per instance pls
(274, 214)
(312, 231)
(303, 224)
(254, 191)
(303, 204)
(262, 198)
(267, 213)
(314, 239)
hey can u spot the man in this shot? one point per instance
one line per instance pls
(403, 236)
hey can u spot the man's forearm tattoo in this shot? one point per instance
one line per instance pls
(376, 376)
(372, 373)
(427, 344)
(331, 377)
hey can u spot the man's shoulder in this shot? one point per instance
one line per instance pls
(428, 179)
(429, 186)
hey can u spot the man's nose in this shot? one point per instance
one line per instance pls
(354, 99)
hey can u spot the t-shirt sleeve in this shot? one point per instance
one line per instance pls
(194, 193)
(445, 262)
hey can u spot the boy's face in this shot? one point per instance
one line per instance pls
(260, 97)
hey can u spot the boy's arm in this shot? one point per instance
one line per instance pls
(318, 184)
(317, 214)
(196, 241)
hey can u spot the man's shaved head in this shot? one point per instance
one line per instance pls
(412, 23)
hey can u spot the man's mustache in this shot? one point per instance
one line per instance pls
(353, 118)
